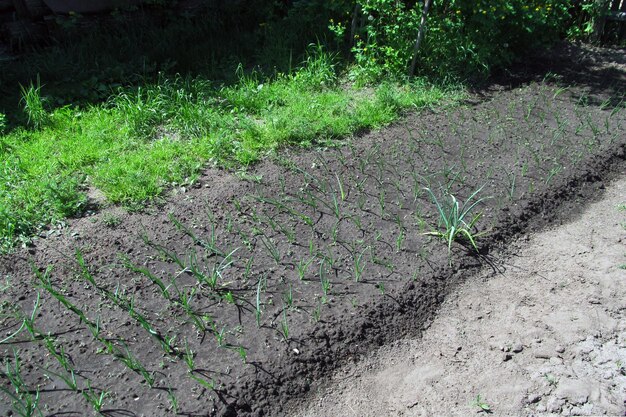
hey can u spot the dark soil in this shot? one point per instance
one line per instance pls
(538, 142)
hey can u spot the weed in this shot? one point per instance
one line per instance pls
(359, 265)
(23, 401)
(34, 105)
(511, 189)
(324, 278)
(453, 216)
(173, 400)
(220, 336)
(28, 322)
(257, 310)
(341, 190)
(302, 267)
(132, 363)
(95, 399)
(400, 239)
(69, 379)
(246, 176)
(243, 354)
(272, 249)
(317, 311)
(284, 326)
(288, 297)
(184, 299)
(125, 303)
(248, 268)
(189, 358)
(210, 244)
(111, 220)
(208, 384)
(551, 379)
(481, 404)
(146, 272)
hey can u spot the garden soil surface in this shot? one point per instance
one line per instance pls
(239, 294)
(543, 333)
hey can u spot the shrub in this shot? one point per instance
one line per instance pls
(463, 38)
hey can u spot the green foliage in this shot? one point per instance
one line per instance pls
(456, 220)
(146, 140)
(385, 45)
(481, 405)
(489, 34)
(464, 38)
(33, 105)
(585, 13)
(318, 71)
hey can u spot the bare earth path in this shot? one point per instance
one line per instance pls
(545, 335)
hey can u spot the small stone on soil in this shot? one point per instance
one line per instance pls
(556, 361)
(542, 354)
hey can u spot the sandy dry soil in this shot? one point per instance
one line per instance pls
(541, 334)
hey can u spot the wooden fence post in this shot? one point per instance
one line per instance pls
(420, 36)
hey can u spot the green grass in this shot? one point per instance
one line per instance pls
(144, 140)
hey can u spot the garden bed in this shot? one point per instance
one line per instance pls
(238, 293)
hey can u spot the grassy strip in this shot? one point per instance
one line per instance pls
(143, 141)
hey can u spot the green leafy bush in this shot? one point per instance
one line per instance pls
(475, 36)
(384, 46)
(464, 38)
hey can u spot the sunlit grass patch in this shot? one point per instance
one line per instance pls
(144, 140)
